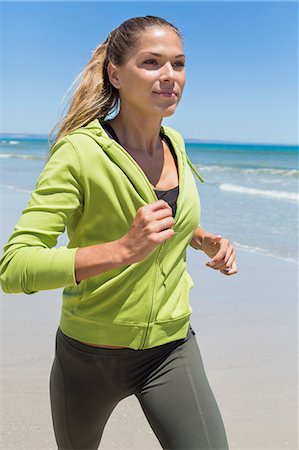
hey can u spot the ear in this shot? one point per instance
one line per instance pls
(113, 75)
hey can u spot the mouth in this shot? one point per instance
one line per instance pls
(168, 94)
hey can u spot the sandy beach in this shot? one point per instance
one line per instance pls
(246, 327)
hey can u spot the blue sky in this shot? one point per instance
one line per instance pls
(242, 64)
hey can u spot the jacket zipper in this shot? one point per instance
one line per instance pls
(153, 295)
(182, 195)
(182, 192)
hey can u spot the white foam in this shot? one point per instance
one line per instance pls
(280, 195)
(254, 249)
(252, 171)
(22, 156)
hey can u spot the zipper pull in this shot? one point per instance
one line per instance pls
(194, 170)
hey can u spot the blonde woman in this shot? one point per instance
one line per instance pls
(125, 191)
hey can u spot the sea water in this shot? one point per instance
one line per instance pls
(250, 194)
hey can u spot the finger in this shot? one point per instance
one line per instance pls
(158, 204)
(232, 271)
(229, 271)
(234, 265)
(228, 260)
(156, 210)
(231, 259)
(218, 261)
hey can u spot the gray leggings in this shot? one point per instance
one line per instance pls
(169, 381)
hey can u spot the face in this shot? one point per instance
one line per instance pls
(153, 76)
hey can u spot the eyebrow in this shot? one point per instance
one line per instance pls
(158, 54)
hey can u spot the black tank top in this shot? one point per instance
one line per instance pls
(170, 195)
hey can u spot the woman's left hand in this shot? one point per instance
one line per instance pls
(222, 253)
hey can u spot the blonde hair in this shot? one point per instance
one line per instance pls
(95, 97)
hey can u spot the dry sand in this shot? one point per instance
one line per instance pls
(247, 330)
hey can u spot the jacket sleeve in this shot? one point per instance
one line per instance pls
(30, 263)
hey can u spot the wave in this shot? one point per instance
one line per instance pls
(22, 156)
(9, 142)
(253, 249)
(280, 195)
(253, 171)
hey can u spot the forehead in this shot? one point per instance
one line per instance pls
(159, 40)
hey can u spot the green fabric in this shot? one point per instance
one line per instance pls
(93, 187)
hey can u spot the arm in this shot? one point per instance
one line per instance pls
(30, 263)
(96, 259)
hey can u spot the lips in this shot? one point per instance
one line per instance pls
(166, 93)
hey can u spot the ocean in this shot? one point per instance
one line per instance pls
(250, 194)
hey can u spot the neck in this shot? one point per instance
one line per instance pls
(138, 132)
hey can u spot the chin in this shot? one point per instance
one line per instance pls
(168, 113)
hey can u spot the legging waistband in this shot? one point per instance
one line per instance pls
(120, 351)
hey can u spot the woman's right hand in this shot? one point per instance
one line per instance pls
(152, 225)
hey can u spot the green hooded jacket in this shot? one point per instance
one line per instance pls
(93, 187)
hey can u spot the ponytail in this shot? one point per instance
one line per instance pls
(94, 96)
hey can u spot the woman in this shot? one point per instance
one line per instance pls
(124, 190)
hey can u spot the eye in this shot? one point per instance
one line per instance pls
(179, 64)
(150, 61)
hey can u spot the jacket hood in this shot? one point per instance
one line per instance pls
(96, 130)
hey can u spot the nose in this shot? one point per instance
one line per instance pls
(168, 74)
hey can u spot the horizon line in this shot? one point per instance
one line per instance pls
(195, 140)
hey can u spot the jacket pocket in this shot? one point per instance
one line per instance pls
(175, 304)
(73, 295)
(124, 298)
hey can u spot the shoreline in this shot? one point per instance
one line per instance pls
(20, 196)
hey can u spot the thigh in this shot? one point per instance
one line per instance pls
(179, 403)
(84, 390)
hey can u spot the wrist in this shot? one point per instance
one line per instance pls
(123, 252)
(198, 237)
(195, 244)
